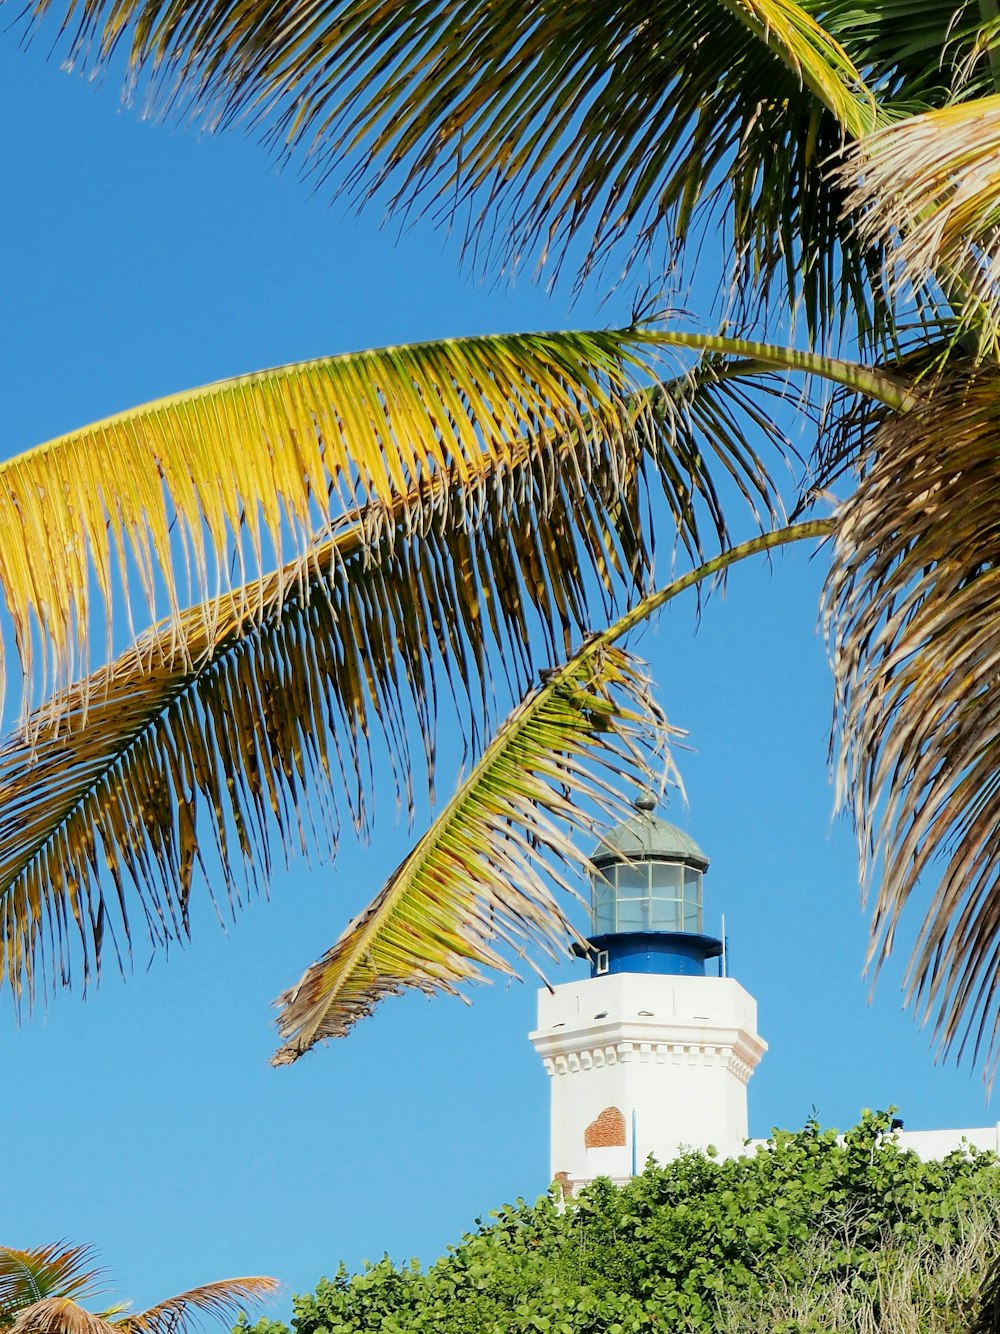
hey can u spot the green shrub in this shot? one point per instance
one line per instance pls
(810, 1228)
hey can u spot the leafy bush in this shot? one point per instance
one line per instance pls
(810, 1227)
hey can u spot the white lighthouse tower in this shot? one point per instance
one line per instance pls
(648, 1055)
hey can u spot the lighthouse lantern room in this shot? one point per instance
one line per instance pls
(647, 907)
(651, 1053)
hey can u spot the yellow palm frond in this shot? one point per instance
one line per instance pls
(912, 617)
(815, 56)
(270, 701)
(931, 184)
(251, 465)
(484, 871)
(186, 483)
(262, 708)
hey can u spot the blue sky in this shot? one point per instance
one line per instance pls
(146, 1120)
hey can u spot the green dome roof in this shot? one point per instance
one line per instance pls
(646, 835)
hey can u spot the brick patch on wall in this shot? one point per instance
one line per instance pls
(565, 1183)
(607, 1132)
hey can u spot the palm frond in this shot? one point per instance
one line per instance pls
(58, 1315)
(235, 473)
(931, 184)
(280, 690)
(483, 872)
(915, 55)
(28, 1276)
(877, 382)
(222, 1300)
(261, 711)
(813, 55)
(926, 350)
(607, 123)
(912, 617)
(274, 715)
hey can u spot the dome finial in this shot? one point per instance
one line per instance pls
(645, 802)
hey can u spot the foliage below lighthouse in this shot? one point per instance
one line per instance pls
(814, 1234)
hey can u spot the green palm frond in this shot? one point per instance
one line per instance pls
(484, 871)
(932, 182)
(29, 1276)
(813, 55)
(926, 351)
(915, 53)
(608, 123)
(227, 475)
(482, 875)
(912, 616)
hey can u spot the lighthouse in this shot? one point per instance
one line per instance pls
(652, 1052)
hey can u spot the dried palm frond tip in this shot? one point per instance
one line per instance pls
(927, 190)
(912, 618)
(484, 873)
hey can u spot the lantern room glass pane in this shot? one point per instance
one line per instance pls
(667, 878)
(633, 914)
(693, 916)
(633, 881)
(667, 915)
(604, 905)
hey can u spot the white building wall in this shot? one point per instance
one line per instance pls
(929, 1144)
(664, 1060)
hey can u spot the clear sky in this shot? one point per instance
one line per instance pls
(141, 260)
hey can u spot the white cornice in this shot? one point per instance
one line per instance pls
(640, 1031)
(569, 1053)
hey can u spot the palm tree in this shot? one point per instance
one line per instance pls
(429, 508)
(41, 1289)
